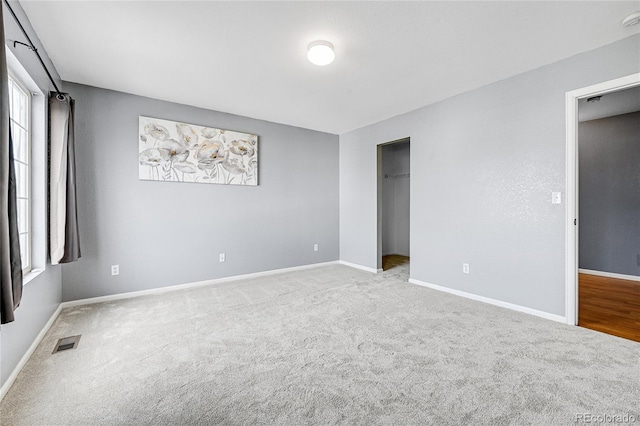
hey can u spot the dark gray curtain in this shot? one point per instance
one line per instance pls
(64, 239)
(10, 262)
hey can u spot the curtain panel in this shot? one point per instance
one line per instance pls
(10, 262)
(64, 239)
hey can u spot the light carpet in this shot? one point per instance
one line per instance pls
(331, 345)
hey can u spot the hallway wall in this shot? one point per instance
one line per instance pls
(609, 186)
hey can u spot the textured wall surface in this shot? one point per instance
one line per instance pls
(168, 233)
(609, 152)
(483, 166)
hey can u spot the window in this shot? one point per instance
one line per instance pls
(19, 112)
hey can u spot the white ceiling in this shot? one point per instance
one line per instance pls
(248, 58)
(610, 104)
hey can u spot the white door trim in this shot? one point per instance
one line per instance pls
(379, 184)
(571, 236)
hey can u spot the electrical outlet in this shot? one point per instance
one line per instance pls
(465, 268)
(115, 269)
(222, 257)
(315, 247)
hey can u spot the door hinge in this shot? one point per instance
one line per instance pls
(575, 221)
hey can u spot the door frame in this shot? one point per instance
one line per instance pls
(379, 184)
(571, 235)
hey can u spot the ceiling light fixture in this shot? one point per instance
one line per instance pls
(320, 52)
(632, 19)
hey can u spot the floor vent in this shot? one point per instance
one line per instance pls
(67, 343)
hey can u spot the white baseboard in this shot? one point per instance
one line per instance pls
(609, 275)
(363, 268)
(512, 306)
(161, 290)
(14, 374)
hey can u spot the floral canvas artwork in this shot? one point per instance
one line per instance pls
(180, 152)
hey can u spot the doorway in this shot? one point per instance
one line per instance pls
(603, 259)
(394, 183)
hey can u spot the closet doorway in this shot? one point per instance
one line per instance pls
(394, 182)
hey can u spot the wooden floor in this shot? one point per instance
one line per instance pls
(609, 305)
(393, 260)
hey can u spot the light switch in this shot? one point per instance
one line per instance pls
(556, 198)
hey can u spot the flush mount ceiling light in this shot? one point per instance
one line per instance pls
(320, 52)
(632, 19)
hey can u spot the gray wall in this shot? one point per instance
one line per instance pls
(483, 166)
(41, 296)
(609, 153)
(395, 199)
(168, 233)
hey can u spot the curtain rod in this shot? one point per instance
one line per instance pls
(32, 47)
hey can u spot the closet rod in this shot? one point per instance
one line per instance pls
(395, 176)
